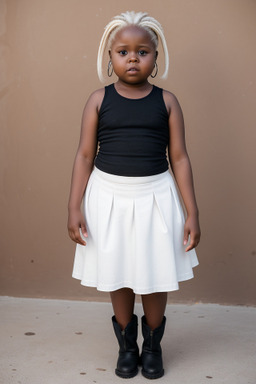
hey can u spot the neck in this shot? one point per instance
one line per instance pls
(133, 88)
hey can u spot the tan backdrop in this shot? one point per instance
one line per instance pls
(48, 53)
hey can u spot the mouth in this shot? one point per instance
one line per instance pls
(133, 69)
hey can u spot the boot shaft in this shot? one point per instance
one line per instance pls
(152, 338)
(127, 338)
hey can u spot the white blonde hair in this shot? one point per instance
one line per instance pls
(140, 19)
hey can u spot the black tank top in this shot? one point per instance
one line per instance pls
(133, 134)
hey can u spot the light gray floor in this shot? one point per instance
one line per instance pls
(73, 342)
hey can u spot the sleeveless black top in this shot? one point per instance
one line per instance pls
(133, 134)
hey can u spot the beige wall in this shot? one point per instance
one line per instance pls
(48, 51)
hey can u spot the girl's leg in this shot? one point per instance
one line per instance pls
(125, 325)
(123, 305)
(154, 306)
(153, 325)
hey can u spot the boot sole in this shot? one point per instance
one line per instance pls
(126, 375)
(152, 376)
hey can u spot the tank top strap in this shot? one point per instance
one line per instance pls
(109, 90)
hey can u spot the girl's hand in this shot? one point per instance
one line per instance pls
(75, 223)
(192, 231)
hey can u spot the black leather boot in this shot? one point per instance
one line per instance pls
(127, 363)
(151, 357)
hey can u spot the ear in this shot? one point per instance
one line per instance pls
(109, 52)
(156, 54)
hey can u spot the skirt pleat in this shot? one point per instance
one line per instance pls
(135, 235)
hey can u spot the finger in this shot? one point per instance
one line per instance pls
(84, 230)
(186, 236)
(189, 248)
(192, 244)
(76, 237)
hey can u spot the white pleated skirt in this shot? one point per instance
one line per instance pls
(135, 235)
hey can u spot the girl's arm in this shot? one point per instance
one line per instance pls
(181, 167)
(83, 166)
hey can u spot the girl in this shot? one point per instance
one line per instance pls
(133, 237)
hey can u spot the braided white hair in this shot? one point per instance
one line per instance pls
(140, 19)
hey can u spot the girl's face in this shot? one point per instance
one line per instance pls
(133, 55)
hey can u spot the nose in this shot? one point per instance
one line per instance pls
(133, 58)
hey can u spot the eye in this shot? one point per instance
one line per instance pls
(123, 52)
(142, 52)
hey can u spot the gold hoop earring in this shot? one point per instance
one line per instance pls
(110, 70)
(156, 71)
